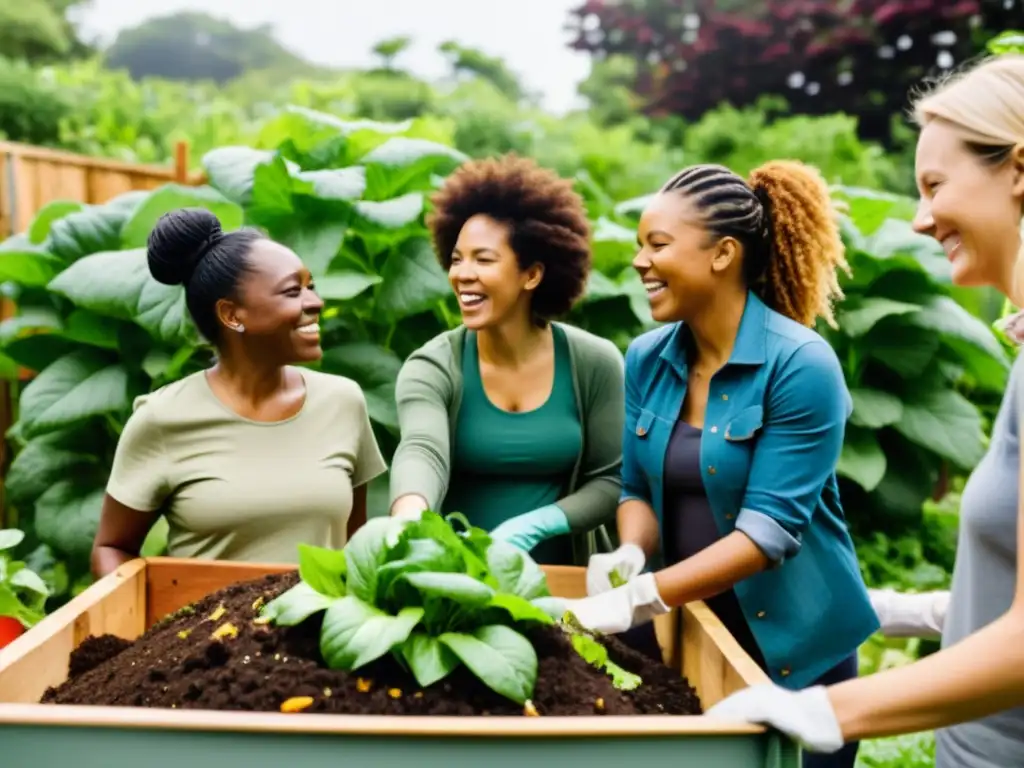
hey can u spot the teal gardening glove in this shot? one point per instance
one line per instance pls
(528, 530)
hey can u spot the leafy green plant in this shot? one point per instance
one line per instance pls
(432, 597)
(22, 592)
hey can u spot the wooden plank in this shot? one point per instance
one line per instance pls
(712, 659)
(39, 658)
(69, 158)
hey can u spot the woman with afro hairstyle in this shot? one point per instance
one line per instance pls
(735, 414)
(512, 419)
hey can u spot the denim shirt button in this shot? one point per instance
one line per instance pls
(711, 470)
(761, 614)
(784, 671)
(714, 430)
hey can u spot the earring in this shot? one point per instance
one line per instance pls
(240, 328)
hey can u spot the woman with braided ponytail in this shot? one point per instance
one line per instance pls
(512, 419)
(735, 414)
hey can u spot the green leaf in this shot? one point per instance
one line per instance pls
(366, 552)
(47, 215)
(323, 569)
(457, 587)
(26, 579)
(500, 657)
(295, 605)
(402, 151)
(942, 314)
(396, 213)
(945, 422)
(413, 281)
(345, 285)
(10, 538)
(45, 460)
(860, 315)
(271, 201)
(862, 459)
(905, 349)
(30, 320)
(336, 183)
(429, 660)
(26, 264)
(232, 170)
(93, 229)
(375, 369)
(896, 238)
(874, 408)
(317, 244)
(87, 327)
(355, 633)
(171, 197)
(66, 518)
(870, 208)
(520, 609)
(118, 284)
(515, 572)
(75, 387)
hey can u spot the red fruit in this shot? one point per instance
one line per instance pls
(10, 630)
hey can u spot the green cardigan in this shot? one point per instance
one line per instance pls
(428, 394)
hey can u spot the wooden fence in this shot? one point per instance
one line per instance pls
(31, 177)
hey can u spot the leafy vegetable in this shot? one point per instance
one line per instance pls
(586, 644)
(434, 597)
(22, 592)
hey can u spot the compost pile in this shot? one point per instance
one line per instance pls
(271, 645)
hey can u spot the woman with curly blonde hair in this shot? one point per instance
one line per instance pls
(970, 175)
(512, 418)
(735, 414)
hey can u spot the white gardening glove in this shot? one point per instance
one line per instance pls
(636, 602)
(805, 716)
(628, 560)
(903, 614)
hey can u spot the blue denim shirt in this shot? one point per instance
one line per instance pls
(773, 432)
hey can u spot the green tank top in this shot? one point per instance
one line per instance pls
(506, 464)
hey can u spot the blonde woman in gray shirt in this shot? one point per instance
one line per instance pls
(970, 174)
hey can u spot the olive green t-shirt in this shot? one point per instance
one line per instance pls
(236, 489)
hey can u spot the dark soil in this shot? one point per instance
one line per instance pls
(179, 664)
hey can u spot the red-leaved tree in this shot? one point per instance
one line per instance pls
(857, 56)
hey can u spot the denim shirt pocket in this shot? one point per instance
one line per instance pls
(745, 424)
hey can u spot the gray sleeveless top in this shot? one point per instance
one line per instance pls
(984, 580)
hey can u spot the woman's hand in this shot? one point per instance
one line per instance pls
(805, 716)
(626, 562)
(903, 614)
(621, 608)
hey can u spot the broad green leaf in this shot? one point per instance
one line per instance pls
(270, 202)
(10, 538)
(945, 422)
(860, 315)
(53, 211)
(402, 151)
(66, 518)
(414, 555)
(323, 569)
(37, 351)
(344, 127)
(457, 587)
(905, 349)
(429, 660)
(344, 285)
(515, 572)
(232, 170)
(520, 609)
(874, 408)
(171, 197)
(26, 579)
(897, 238)
(862, 459)
(118, 284)
(390, 214)
(500, 657)
(44, 461)
(317, 244)
(336, 183)
(870, 208)
(79, 385)
(93, 229)
(366, 552)
(29, 320)
(26, 264)
(375, 369)
(633, 206)
(90, 328)
(355, 633)
(942, 314)
(9, 368)
(1006, 42)
(413, 281)
(295, 605)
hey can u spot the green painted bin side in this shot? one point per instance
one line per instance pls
(32, 746)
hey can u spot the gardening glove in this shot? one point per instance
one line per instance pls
(903, 614)
(805, 716)
(528, 530)
(627, 561)
(619, 609)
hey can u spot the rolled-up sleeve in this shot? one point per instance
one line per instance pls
(797, 451)
(634, 482)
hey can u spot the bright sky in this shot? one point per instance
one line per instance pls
(528, 34)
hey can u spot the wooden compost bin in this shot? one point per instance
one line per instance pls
(136, 596)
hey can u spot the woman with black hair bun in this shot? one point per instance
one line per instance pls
(253, 456)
